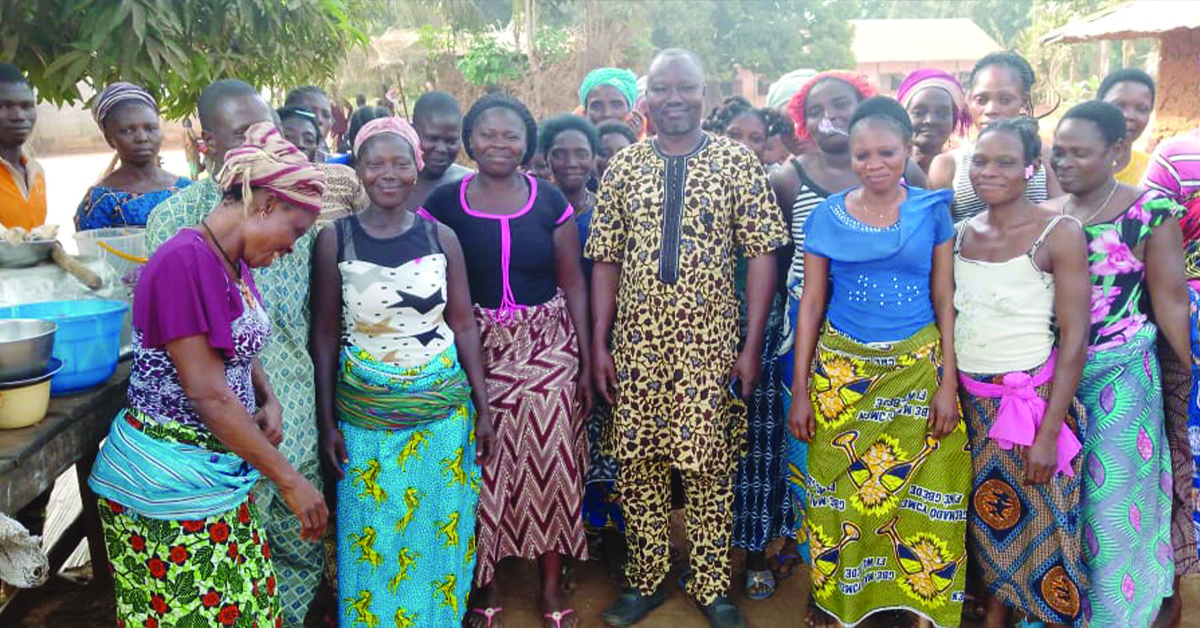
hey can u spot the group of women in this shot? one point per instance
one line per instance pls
(1029, 291)
(1002, 306)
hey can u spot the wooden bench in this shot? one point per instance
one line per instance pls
(32, 458)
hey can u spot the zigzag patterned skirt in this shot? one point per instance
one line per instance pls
(531, 500)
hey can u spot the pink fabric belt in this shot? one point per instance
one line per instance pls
(1021, 411)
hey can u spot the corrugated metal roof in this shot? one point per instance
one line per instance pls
(920, 40)
(1132, 20)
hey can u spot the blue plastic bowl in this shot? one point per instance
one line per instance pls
(88, 340)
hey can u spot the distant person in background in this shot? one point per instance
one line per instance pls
(300, 127)
(341, 124)
(570, 143)
(360, 101)
(614, 136)
(538, 166)
(226, 109)
(1001, 88)
(938, 107)
(344, 193)
(741, 122)
(125, 196)
(22, 182)
(358, 119)
(608, 94)
(779, 129)
(1132, 91)
(762, 510)
(779, 94)
(315, 100)
(437, 118)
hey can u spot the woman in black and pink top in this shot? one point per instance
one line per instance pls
(522, 254)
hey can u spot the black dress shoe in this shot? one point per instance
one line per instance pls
(722, 613)
(632, 606)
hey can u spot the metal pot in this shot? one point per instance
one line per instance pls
(26, 253)
(25, 348)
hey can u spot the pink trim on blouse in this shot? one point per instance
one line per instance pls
(508, 301)
(566, 215)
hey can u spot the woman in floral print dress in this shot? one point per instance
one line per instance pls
(185, 542)
(1134, 252)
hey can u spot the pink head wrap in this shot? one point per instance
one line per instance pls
(796, 105)
(267, 160)
(919, 79)
(391, 124)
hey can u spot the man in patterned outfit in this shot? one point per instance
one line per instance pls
(226, 108)
(671, 215)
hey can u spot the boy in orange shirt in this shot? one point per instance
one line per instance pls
(22, 182)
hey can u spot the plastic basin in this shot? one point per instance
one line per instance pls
(88, 340)
(25, 403)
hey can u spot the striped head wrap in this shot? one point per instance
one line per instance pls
(798, 101)
(923, 78)
(625, 81)
(391, 124)
(266, 160)
(117, 93)
(781, 91)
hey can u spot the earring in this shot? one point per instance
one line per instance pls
(1029, 170)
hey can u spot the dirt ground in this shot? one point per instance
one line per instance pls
(62, 604)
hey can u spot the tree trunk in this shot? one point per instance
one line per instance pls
(535, 68)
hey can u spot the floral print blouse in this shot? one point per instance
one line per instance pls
(1118, 276)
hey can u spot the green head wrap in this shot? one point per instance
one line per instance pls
(781, 91)
(620, 78)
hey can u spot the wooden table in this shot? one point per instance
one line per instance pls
(32, 458)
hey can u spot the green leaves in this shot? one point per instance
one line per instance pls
(770, 37)
(202, 558)
(174, 48)
(192, 620)
(184, 587)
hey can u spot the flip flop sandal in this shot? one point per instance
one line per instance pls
(784, 564)
(558, 616)
(489, 614)
(764, 581)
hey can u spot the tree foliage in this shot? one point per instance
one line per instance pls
(1004, 20)
(174, 48)
(769, 37)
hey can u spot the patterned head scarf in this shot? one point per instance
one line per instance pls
(796, 104)
(781, 91)
(922, 78)
(117, 93)
(625, 81)
(391, 124)
(266, 160)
